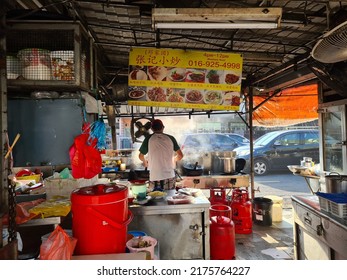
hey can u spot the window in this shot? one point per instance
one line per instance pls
(310, 137)
(289, 139)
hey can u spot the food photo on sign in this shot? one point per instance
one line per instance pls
(232, 77)
(187, 79)
(213, 97)
(137, 93)
(177, 74)
(175, 95)
(214, 76)
(157, 73)
(196, 75)
(138, 73)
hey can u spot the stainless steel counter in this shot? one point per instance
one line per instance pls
(317, 235)
(182, 230)
(215, 181)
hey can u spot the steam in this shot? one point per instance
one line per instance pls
(179, 126)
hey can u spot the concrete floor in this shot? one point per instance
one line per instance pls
(273, 242)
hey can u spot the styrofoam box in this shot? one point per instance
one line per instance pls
(64, 187)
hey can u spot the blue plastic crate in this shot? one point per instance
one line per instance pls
(334, 203)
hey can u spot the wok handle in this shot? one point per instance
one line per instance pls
(178, 175)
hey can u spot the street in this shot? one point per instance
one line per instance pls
(282, 184)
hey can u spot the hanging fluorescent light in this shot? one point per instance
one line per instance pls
(216, 18)
(215, 25)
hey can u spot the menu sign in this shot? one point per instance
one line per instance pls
(184, 79)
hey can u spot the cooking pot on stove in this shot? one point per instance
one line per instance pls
(142, 173)
(229, 164)
(193, 169)
(336, 183)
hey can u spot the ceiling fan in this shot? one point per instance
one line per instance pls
(332, 47)
(139, 128)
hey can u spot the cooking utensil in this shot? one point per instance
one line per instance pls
(193, 170)
(11, 148)
(239, 164)
(142, 173)
(336, 183)
(178, 175)
(229, 164)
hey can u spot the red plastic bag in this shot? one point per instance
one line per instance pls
(85, 159)
(58, 246)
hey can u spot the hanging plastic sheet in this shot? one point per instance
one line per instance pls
(289, 107)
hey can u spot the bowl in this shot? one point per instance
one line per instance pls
(296, 168)
(196, 76)
(194, 96)
(177, 74)
(137, 93)
(213, 97)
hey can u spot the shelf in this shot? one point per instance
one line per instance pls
(49, 55)
(307, 179)
(307, 176)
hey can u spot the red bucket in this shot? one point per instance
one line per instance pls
(100, 218)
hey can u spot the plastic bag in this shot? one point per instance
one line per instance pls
(58, 246)
(55, 207)
(85, 159)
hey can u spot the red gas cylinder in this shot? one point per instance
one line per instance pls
(222, 233)
(241, 211)
(218, 196)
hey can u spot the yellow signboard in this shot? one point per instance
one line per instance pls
(184, 79)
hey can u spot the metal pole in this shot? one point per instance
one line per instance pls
(250, 124)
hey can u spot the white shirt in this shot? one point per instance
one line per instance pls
(161, 152)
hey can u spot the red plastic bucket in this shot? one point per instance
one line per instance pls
(100, 218)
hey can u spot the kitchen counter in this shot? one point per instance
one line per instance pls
(182, 230)
(317, 235)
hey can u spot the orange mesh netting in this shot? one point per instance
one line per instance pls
(289, 107)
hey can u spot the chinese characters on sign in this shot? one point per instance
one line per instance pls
(184, 79)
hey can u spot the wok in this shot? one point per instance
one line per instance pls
(142, 173)
(193, 169)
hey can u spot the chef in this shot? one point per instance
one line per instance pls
(160, 152)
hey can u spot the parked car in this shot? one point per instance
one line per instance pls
(212, 142)
(239, 139)
(278, 149)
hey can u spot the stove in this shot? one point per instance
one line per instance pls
(216, 181)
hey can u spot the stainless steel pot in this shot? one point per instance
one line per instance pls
(336, 183)
(229, 164)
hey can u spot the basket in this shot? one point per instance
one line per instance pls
(333, 203)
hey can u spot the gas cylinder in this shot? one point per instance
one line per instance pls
(218, 196)
(241, 208)
(222, 233)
